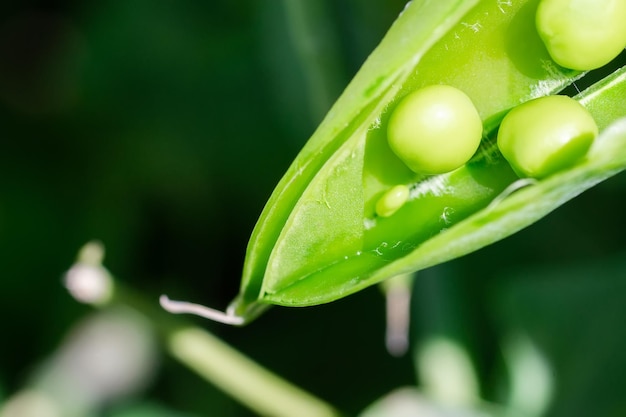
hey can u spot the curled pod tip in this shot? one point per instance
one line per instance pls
(582, 34)
(545, 135)
(435, 129)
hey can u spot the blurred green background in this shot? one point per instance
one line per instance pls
(160, 128)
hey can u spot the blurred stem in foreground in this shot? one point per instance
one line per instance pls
(397, 291)
(217, 362)
(108, 356)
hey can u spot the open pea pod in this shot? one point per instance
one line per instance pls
(319, 238)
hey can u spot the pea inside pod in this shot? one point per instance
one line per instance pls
(392, 200)
(582, 34)
(545, 135)
(435, 129)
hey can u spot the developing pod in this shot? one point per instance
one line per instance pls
(321, 237)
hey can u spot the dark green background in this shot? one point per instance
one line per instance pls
(161, 128)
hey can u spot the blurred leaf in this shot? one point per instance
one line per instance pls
(108, 356)
(573, 314)
(410, 402)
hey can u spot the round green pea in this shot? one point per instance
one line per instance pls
(392, 200)
(582, 34)
(545, 135)
(435, 129)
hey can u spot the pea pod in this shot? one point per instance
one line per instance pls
(320, 238)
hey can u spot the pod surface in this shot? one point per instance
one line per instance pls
(319, 237)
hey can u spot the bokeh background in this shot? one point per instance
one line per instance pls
(160, 128)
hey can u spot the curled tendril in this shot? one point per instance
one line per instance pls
(185, 307)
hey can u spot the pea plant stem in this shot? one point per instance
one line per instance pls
(214, 360)
(245, 380)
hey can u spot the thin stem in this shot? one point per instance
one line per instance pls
(237, 375)
(245, 380)
(398, 307)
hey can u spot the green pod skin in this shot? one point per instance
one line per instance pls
(582, 34)
(546, 135)
(320, 237)
(338, 203)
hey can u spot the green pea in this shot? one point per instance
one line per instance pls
(435, 129)
(582, 34)
(545, 135)
(392, 200)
